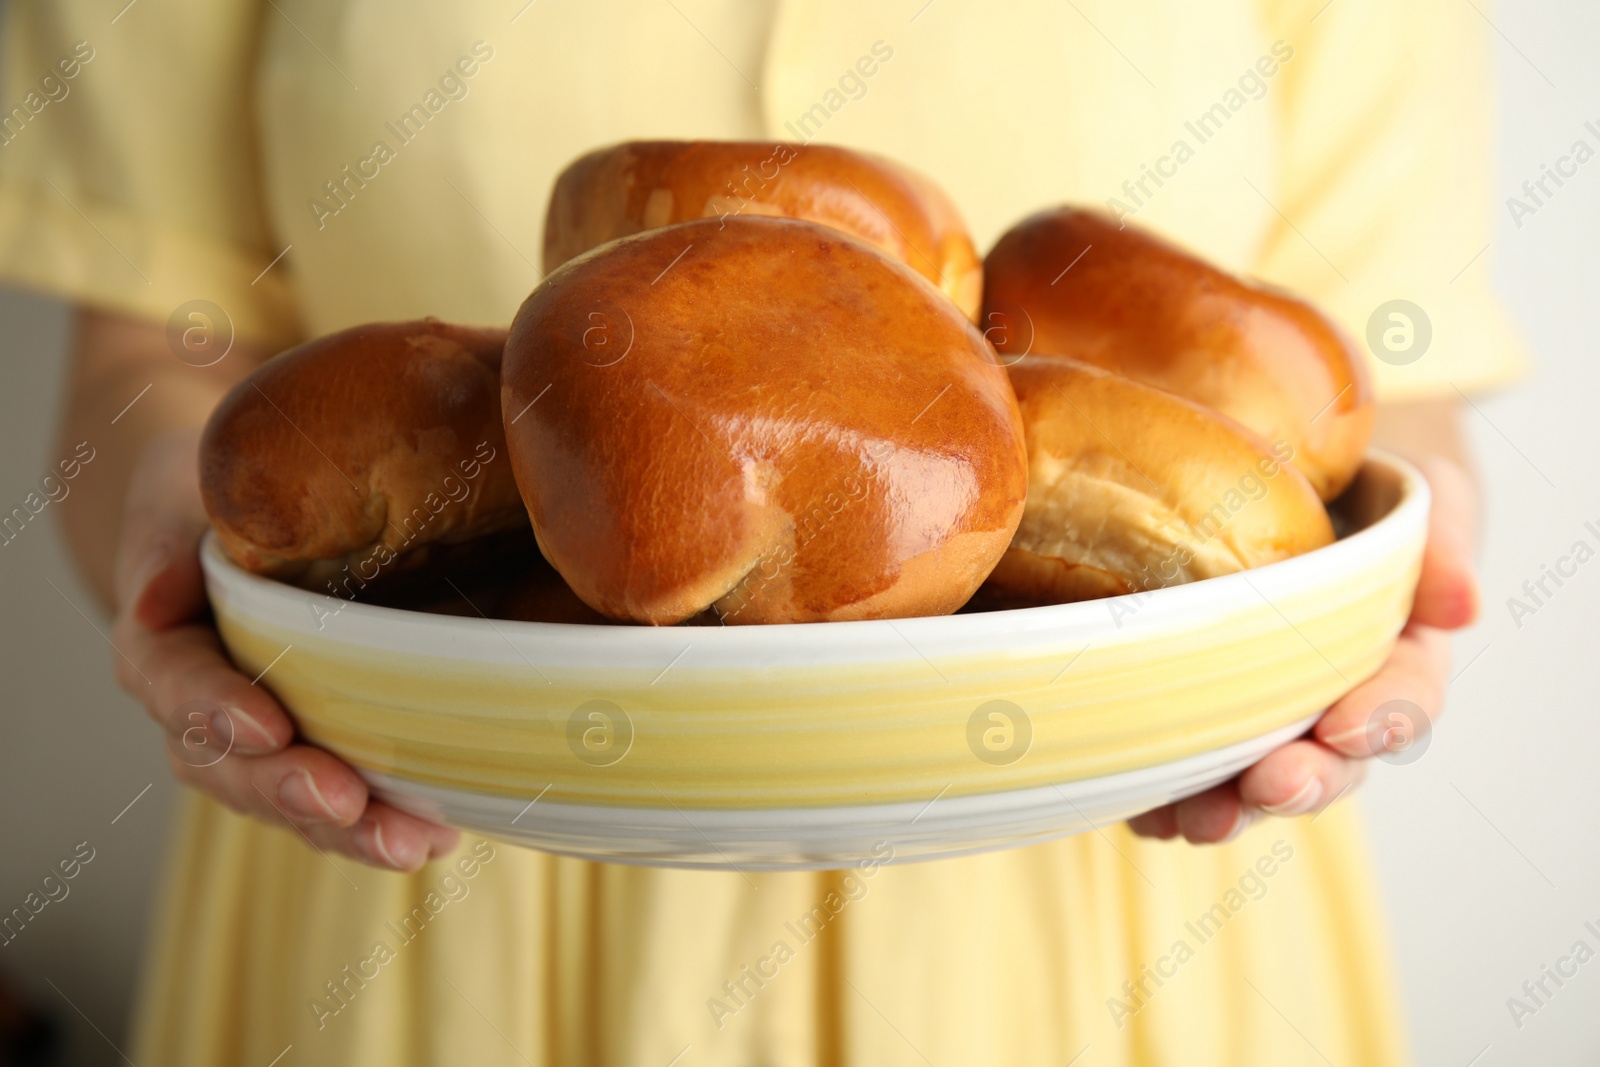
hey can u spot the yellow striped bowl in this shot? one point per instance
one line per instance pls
(811, 745)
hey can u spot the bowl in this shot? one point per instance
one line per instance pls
(816, 745)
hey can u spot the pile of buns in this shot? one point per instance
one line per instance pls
(775, 383)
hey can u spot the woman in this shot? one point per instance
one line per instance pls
(222, 160)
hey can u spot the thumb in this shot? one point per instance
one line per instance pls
(1447, 590)
(158, 577)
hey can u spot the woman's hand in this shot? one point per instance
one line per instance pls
(1307, 775)
(226, 735)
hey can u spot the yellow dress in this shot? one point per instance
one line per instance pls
(306, 165)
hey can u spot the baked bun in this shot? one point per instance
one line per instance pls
(614, 192)
(1071, 283)
(1132, 488)
(360, 453)
(781, 422)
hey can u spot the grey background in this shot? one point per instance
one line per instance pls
(1485, 847)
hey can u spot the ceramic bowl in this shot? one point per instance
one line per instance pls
(814, 745)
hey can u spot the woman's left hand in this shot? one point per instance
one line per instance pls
(1312, 772)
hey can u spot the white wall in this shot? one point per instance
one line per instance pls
(1486, 846)
(73, 751)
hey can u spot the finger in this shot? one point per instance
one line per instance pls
(302, 785)
(176, 592)
(1447, 593)
(388, 838)
(319, 795)
(194, 685)
(1213, 816)
(392, 838)
(323, 800)
(1416, 672)
(1161, 824)
(306, 785)
(158, 576)
(1300, 778)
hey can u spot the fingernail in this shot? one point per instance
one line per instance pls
(1300, 803)
(1240, 825)
(1352, 742)
(299, 794)
(154, 562)
(249, 736)
(379, 849)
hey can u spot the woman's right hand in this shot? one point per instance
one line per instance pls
(226, 735)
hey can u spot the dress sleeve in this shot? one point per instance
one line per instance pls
(1383, 190)
(129, 173)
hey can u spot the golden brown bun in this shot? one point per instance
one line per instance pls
(1137, 305)
(1132, 488)
(365, 449)
(780, 421)
(639, 185)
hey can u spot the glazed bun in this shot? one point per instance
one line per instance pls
(1132, 488)
(361, 452)
(1071, 283)
(762, 416)
(614, 192)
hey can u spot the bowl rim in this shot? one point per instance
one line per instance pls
(376, 626)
